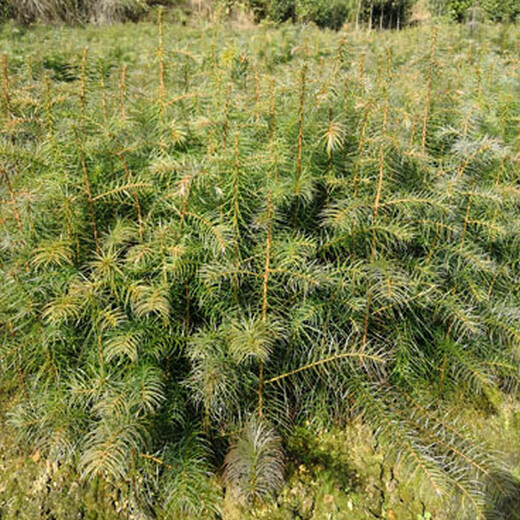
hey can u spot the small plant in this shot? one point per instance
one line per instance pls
(254, 464)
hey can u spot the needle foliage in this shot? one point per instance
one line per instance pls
(208, 238)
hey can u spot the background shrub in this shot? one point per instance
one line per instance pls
(324, 13)
(74, 11)
(496, 10)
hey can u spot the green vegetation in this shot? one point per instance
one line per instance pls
(216, 242)
(332, 14)
(496, 10)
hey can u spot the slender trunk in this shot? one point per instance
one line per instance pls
(267, 261)
(433, 244)
(339, 56)
(361, 67)
(19, 370)
(413, 130)
(466, 216)
(7, 96)
(495, 214)
(300, 129)
(429, 88)
(225, 127)
(377, 200)
(61, 160)
(366, 321)
(5, 174)
(83, 87)
(188, 303)
(479, 86)
(122, 92)
(361, 148)
(265, 301)
(375, 212)
(89, 194)
(442, 368)
(236, 216)
(103, 95)
(160, 56)
(100, 351)
(297, 187)
(128, 178)
(330, 157)
(257, 95)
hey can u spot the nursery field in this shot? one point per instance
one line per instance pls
(258, 272)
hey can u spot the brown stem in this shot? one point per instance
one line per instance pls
(7, 97)
(361, 148)
(300, 141)
(5, 174)
(466, 217)
(236, 215)
(267, 262)
(300, 129)
(413, 130)
(89, 194)
(261, 390)
(429, 88)
(82, 86)
(257, 94)
(103, 95)
(122, 91)
(377, 200)
(160, 55)
(361, 67)
(225, 127)
(320, 362)
(19, 363)
(339, 55)
(128, 177)
(187, 315)
(433, 243)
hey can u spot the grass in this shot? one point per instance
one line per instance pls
(214, 240)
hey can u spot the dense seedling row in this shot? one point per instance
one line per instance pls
(208, 238)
